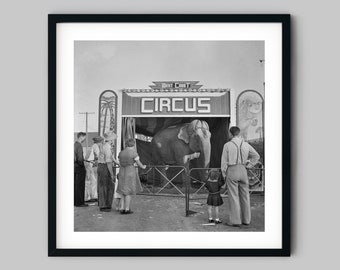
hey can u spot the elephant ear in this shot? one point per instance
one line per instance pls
(185, 132)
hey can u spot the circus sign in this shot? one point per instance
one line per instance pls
(176, 104)
(183, 103)
(176, 98)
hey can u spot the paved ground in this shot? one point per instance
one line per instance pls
(155, 213)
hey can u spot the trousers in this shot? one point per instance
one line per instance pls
(79, 186)
(238, 195)
(105, 187)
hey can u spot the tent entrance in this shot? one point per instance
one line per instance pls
(169, 179)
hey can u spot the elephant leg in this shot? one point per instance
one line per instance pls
(186, 162)
(183, 161)
(159, 174)
(156, 175)
(162, 177)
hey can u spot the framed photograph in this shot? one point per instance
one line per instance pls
(179, 129)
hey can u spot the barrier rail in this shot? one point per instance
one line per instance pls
(163, 184)
(256, 183)
(190, 187)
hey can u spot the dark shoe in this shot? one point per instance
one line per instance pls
(122, 212)
(218, 221)
(232, 225)
(211, 220)
(245, 224)
(128, 212)
(82, 205)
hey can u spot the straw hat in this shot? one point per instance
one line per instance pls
(110, 136)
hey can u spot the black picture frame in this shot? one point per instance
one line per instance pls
(54, 19)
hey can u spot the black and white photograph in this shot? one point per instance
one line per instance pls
(169, 135)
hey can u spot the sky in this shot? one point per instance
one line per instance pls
(103, 65)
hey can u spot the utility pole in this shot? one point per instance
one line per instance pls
(86, 115)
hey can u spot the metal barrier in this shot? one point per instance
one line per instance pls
(153, 188)
(256, 179)
(195, 187)
(190, 188)
(163, 186)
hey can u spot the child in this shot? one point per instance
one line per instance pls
(214, 184)
(118, 198)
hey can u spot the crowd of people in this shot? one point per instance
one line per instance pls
(112, 189)
(109, 187)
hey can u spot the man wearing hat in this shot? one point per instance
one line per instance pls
(105, 172)
(95, 148)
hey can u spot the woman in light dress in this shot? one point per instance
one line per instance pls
(129, 182)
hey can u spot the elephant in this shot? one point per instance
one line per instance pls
(186, 145)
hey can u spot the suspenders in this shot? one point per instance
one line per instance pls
(101, 152)
(239, 153)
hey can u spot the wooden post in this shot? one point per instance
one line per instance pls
(86, 127)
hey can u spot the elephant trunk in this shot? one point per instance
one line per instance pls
(204, 159)
(205, 153)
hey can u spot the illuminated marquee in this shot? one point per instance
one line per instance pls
(176, 104)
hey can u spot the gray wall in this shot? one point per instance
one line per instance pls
(23, 112)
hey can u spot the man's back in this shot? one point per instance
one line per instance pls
(78, 155)
(237, 151)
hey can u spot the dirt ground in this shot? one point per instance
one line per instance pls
(159, 213)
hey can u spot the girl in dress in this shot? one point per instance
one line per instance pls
(129, 183)
(214, 184)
